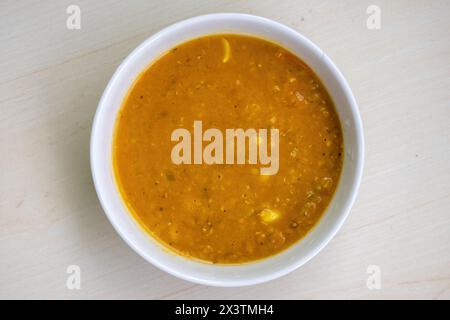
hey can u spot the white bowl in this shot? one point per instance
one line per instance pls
(216, 274)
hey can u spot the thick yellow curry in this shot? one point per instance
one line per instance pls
(227, 213)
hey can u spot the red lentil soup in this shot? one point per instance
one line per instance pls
(227, 213)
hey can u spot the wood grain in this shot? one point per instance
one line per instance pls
(51, 80)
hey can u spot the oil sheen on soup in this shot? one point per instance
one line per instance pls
(227, 213)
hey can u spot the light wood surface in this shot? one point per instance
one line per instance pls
(51, 80)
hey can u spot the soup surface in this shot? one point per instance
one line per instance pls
(227, 213)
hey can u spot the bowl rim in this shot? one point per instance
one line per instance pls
(359, 156)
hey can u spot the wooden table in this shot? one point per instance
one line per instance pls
(50, 83)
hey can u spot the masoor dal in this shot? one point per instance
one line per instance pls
(227, 213)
